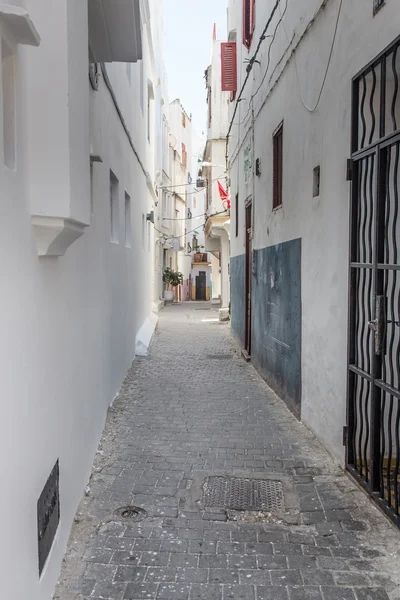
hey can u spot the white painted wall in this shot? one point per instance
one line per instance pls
(69, 323)
(215, 153)
(321, 138)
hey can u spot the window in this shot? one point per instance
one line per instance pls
(237, 215)
(148, 236)
(150, 97)
(316, 181)
(114, 208)
(377, 5)
(91, 189)
(143, 229)
(8, 81)
(141, 88)
(194, 203)
(184, 156)
(209, 100)
(183, 120)
(128, 222)
(228, 67)
(248, 22)
(277, 167)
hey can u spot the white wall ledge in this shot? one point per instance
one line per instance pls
(18, 22)
(145, 335)
(54, 235)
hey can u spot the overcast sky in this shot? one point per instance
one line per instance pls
(188, 26)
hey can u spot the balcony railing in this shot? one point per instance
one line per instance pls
(200, 257)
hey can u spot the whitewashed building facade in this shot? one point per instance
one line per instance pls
(214, 172)
(77, 181)
(314, 170)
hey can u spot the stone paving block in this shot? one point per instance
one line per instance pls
(254, 576)
(271, 593)
(154, 559)
(305, 593)
(98, 555)
(109, 589)
(129, 574)
(161, 574)
(206, 591)
(317, 577)
(139, 591)
(202, 547)
(219, 561)
(192, 575)
(337, 593)
(269, 562)
(238, 592)
(286, 577)
(242, 561)
(173, 591)
(223, 576)
(371, 594)
(185, 560)
(260, 548)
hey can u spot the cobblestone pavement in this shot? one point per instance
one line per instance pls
(193, 409)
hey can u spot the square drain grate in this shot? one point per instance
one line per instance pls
(237, 493)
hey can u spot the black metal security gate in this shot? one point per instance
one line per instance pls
(373, 441)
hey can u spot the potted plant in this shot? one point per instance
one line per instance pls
(172, 278)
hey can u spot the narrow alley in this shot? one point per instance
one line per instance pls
(193, 411)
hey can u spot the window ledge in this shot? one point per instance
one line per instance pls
(19, 24)
(54, 235)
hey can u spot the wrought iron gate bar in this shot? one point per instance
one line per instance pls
(387, 388)
(373, 445)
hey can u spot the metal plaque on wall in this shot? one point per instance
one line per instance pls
(48, 515)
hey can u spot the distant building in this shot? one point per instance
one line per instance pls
(214, 172)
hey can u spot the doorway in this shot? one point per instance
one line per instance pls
(201, 286)
(373, 403)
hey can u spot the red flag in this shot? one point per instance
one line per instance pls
(224, 195)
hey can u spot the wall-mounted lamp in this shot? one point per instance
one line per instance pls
(150, 217)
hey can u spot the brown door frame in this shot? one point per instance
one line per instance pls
(248, 275)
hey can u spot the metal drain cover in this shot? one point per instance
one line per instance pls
(134, 513)
(237, 493)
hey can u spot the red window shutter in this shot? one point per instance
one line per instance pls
(228, 63)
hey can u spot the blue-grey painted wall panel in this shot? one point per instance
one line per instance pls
(238, 293)
(276, 319)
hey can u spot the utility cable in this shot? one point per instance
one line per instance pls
(167, 187)
(249, 69)
(183, 218)
(268, 63)
(311, 110)
(171, 237)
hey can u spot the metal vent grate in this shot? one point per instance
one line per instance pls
(243, 494)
